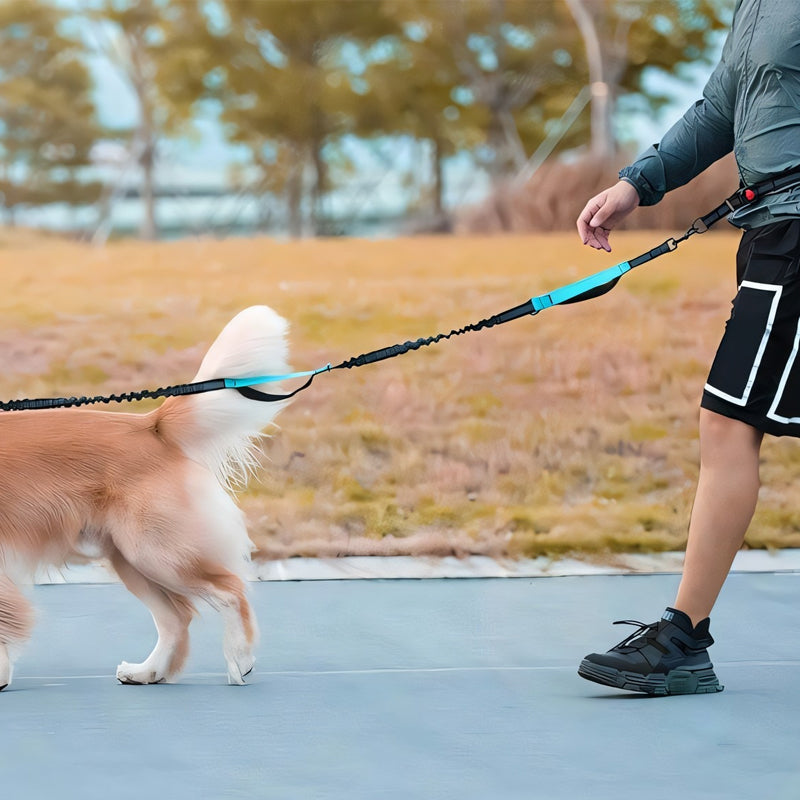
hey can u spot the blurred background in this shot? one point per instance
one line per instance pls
(301, 118)
(353, 163)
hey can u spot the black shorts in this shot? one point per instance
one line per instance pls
(755, 376)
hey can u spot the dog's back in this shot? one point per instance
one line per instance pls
(61, 470)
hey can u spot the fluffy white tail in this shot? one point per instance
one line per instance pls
(221, 429)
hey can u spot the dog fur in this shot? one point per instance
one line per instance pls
(149, 492)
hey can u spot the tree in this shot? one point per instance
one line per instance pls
(157, 46)
(624, 38)
(510, 58)
(47, 120)
(409, 94)
(478, 76)
(287, 74)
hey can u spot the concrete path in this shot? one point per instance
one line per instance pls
(406, 689)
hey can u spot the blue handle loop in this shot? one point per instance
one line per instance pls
(605, 279)
(237, 383)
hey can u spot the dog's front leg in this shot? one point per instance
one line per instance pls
(16, 621)
(6, 667)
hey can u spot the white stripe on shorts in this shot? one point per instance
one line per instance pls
(765, 287)
(772, 413)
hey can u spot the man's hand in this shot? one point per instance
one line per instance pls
(603, 212)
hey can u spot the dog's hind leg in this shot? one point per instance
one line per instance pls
(171, 613)
(194, 544)
(227, 593)
(218, 576)
(215, 529)
(16, 621)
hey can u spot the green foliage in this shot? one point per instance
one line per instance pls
(287, 74)
(158, 47)
(47, 120)
(489, 77)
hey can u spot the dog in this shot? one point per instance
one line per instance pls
(152, 493)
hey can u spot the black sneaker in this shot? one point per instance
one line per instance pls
(664, 657)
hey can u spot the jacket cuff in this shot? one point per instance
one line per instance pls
(646, 175)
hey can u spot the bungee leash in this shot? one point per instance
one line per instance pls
(584, 289)
(243, 385)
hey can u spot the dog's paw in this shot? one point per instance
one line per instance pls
(6, 668)
(239, 669)
(137, 674)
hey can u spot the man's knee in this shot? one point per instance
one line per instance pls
(720, 433)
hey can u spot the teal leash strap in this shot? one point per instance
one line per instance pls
(584, 289)
(245, 385)
(238, 383)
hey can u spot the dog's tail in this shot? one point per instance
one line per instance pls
(221, 429)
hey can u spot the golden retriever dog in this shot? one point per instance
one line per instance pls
(149, 492)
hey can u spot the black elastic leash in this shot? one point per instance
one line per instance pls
(584, 289)
(594, 285)
(169, 391)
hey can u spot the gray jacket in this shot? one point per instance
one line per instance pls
(750, 105)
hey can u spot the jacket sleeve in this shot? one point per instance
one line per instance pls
(702, 136)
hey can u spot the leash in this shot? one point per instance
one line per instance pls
(243, 385)
(584, 289)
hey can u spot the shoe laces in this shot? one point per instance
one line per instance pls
(646, 630)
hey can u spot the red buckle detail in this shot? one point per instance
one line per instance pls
(749, 195)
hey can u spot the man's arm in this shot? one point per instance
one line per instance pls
(702, 136)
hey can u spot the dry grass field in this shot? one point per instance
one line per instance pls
(571, 431)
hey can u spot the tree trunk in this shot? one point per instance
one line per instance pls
(317, 212)
(438, 181)
(148, 229)
(602, 108)
(294, 201)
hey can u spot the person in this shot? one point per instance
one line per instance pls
(751, 106)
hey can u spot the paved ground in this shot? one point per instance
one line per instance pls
(406, 689)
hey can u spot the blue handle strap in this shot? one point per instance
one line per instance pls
(590, 286)
(238, 383)
(245, 385)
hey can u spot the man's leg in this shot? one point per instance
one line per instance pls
(727, 492)
(671, 656)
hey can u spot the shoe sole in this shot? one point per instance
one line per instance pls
(676, 681)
